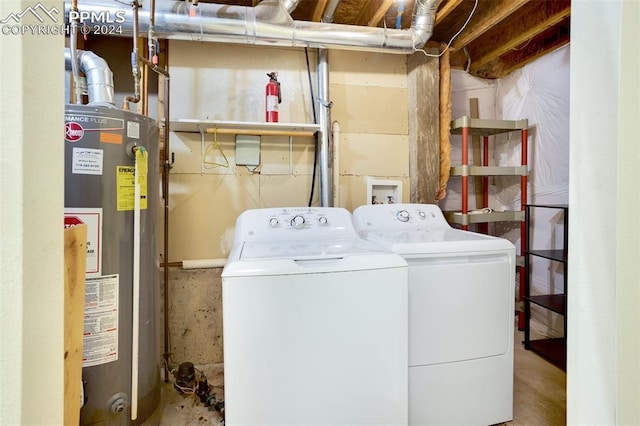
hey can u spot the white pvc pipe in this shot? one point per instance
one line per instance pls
(335, 129)
(203, 263)
(135, 344)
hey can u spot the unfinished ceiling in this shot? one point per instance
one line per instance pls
(500, 37)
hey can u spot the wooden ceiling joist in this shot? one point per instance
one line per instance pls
(551, 39)
(485, 19)
(319, 10)
(371, 14)
(530, 21)
(446, 9)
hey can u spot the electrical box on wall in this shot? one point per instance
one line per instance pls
(384, 191)
(248, 151)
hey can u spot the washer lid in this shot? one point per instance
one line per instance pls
(435, 240)
(320, 256)
(307, 249)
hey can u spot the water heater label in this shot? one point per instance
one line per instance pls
(126, 188)
(100, 343)
(133, 130)
(87, 161)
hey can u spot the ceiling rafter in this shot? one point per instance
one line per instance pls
(371, 14)
(551, 39)
(319, 10)
(485, 19)
(530, 21)
(446, 9)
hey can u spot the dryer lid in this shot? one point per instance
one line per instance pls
(436, 240)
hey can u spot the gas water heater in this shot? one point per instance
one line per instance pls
(105, 150)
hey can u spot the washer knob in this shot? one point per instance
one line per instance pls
(403, 216)
(273, 222)
(297, 221)
(323, 221)
(422, 214)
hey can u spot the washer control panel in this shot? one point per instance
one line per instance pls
(293, 222)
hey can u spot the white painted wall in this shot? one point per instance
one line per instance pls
(603, 374)
(31, 231)
(628, 244)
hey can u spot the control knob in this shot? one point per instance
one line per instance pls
(323, 221)
(297, 221)
(273, 222)
(403, 216)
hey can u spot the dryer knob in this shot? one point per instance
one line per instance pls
(273, 222)
(297, 221)
(323, 221)
(422, 214)
(403, 216)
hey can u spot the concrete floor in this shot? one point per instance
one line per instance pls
(539, 394)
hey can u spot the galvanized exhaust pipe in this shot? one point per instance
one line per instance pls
(98, 74)
(267, 24)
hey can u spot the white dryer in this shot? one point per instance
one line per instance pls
(315, 323)
(461, 314)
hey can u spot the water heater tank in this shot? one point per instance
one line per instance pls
(99, 192)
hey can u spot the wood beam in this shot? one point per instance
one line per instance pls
(423, 80)
(528, 22)
(371, 14)
(484, 19)
(446, 9)
(319, 10)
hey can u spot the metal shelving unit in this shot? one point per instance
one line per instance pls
(553, 349)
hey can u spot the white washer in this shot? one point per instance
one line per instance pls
(461, 314)
(315, 323)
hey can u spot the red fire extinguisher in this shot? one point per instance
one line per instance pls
(273, 97)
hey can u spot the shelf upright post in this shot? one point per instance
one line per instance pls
(525, 272)
(465, 175)
(523, 236)
(484, 228)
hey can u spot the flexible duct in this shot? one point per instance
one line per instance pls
(98, 74)
(267, 24)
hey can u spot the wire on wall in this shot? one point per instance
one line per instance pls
(475, 6)
(315, 136)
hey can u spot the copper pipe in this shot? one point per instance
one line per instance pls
(165, 193)
(145, 90)
(134, 61)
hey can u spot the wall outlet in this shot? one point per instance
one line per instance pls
(384, 191)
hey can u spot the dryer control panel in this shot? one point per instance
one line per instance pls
(294, 222)
(399, 216)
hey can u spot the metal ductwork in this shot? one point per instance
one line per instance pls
(267, 24)
(289, 5)
(98, 74)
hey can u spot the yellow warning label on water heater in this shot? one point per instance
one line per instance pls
(125, 177)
